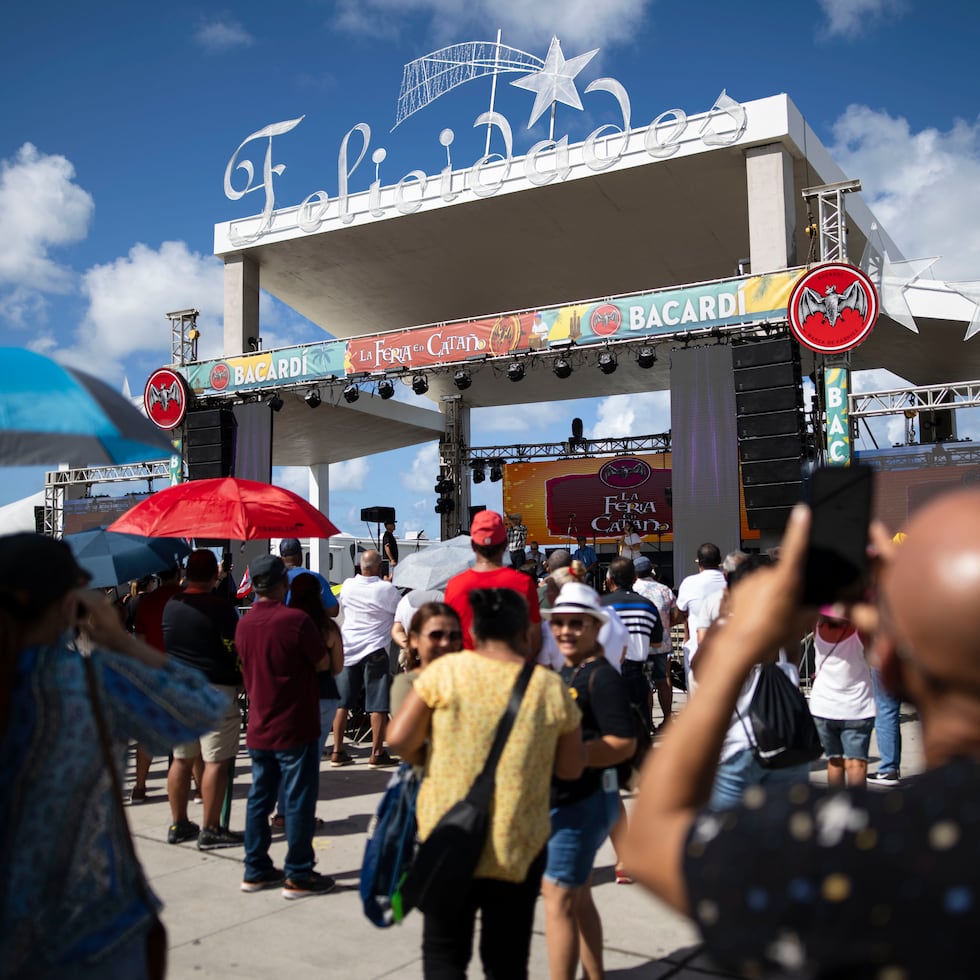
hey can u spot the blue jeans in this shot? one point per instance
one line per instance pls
(739, 772)
(328, 708)
(299, 771)
(577, 833)
(887, 726)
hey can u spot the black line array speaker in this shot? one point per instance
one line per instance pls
(209, 444)
(377, 515)
(769, 421)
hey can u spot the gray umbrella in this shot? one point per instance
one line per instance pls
(434, 566)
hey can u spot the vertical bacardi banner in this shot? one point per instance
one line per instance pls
(594, 497)
(836, 385)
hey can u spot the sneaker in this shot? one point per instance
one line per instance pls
(211, 838)
(272, 878)
(340, 759)
(314, 884)
(884, 777)
(182, 830)
(380, 760)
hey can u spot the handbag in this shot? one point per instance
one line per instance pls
(782, 731)
(446, 860)
(389, 849)
(156, 938)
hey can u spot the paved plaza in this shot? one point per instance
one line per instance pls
(215, 930)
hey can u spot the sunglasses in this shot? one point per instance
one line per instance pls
(439, 635)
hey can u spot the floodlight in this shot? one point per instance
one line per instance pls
(462, 379)
(313, 399)
(515, 371)
(385, 389)
(419, 384)
(562, 368)
(646, 357)
(607, 362)
(275, 403)
(352, 393)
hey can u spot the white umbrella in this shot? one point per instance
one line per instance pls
(434, 566)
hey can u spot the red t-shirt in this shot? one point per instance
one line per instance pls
(279, 650)
(149, 614)
(460, 586)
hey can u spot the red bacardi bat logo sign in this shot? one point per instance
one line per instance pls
(624, 473)
(832, 308)
(165, 398)
(605, 320)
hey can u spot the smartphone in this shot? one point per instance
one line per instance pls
(837, 556)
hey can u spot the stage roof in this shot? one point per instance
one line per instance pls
(643, 224)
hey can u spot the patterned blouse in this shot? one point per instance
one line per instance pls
(70, 890)
(468, 694)
(844, 883)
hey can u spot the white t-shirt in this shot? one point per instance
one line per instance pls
(842, 682)
(614, 638)
(369, 605)
(549, 655)
(691, 596)
(411, 601)
(630, 547)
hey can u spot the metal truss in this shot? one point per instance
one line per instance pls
(922, 457)
(960, 394)
(56, 481)
(565, 450)
(831, 218)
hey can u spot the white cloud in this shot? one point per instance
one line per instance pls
(351, 474)
(575, 22)
(130, 297)
(420, 477)
(642, 414)
(223, 35)
(517, 420)
(851, 18)
(295, 478)
(41, 207)
(917, 184)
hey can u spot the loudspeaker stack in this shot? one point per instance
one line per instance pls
(210, 443)
(771, 429)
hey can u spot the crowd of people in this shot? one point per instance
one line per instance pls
(775, 872)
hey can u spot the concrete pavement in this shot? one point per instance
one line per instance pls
(215, 930)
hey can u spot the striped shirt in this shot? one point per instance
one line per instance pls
(641, 619)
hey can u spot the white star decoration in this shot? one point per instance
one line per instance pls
(971, 292)
(555, 82)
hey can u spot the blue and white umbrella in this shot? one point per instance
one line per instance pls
(50, 414)
(112, 558)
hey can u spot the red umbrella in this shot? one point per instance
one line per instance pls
(225, 508)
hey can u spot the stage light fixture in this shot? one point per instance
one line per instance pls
(385, 389)
(562, 368)
(646, 357)
(313, 399)
(496, 471)
(352, 393)
(462, 379)
(607, 362)
(420, 384)
(275, 403)
(515, 371)
(479, 474)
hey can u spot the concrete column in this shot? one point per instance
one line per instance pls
(319, 496)
(772, 208)
(241, 303)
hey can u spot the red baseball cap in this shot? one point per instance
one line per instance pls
(488, 528)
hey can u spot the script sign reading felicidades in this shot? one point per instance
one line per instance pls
(833, 308)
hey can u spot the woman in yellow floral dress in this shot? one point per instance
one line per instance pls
(456, 704)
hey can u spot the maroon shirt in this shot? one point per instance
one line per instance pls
(149, 614)
(279, 650)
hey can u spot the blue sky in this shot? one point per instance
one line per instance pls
(117, 120)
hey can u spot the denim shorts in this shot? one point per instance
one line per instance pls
(577, 833)
(841, 738)
(658, 668)
(370, 676)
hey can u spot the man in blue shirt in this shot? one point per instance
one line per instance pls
(291, 552)
(585, 553)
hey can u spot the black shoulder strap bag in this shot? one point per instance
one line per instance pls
(445, 861)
